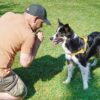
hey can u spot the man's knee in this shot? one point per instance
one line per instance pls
(14, 86)
(6, 96)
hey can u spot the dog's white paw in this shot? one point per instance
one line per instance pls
(85, 87)
(66, 81)
(94, 63)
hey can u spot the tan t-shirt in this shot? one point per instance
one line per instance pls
(15, 35)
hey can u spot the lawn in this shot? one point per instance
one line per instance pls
(45, 75)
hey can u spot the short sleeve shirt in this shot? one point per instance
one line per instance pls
(15, 35)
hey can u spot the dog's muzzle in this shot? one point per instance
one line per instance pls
(56, 40)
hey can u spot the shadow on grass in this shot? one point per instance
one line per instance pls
(44, 68)
(76, 88)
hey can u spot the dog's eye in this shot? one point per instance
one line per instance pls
(56, 35)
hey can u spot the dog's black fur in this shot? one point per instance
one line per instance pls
(72, 43)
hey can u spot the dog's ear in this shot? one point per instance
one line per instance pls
(67, 28)
(66, 25)
(59, 22)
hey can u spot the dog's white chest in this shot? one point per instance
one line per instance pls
(67, 52)
(68, 55)
(65, 49)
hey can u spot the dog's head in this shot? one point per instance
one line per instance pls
(63, 33)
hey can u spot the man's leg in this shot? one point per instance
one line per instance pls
(12, 88)
(6, 96)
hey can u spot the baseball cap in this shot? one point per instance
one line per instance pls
(38, 10)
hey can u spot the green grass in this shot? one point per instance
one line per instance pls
(45, 75)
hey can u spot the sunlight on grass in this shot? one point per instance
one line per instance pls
(45, 76)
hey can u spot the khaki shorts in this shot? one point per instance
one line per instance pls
(13, 85)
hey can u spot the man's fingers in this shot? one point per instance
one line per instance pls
(40, 36)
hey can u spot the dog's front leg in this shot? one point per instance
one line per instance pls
(85, 75)
(94, 63)
(70, 72)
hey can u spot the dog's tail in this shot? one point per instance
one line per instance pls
(95, 48)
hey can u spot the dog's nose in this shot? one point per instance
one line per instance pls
(51, 38)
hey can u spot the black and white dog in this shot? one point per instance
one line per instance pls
(77, 50)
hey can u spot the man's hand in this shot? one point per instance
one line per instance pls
(40, 36)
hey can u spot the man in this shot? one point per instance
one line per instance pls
(19, 32)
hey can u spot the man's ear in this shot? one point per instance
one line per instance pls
(35, 18)
(60, 23)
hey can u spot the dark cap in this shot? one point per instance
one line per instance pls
(38, 10)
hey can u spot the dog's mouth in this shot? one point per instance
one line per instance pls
(57, 40)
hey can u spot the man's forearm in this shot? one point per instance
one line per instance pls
(36, 47)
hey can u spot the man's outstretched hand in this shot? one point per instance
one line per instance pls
(40, 36)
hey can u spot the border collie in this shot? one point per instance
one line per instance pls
(77, 49)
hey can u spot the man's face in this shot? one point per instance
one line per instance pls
(38, 23)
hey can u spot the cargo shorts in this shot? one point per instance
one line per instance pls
(13, 85)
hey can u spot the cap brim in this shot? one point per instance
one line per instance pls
(47, 21)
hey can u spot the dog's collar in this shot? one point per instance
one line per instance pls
(82, 50)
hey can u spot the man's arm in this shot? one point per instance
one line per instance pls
(27, 58)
